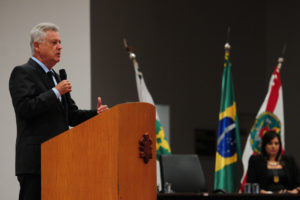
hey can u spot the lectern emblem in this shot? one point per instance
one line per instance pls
(145, 147)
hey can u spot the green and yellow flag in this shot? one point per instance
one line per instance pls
(228, 142)
(162, 146)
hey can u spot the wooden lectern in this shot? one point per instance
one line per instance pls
(105, 158)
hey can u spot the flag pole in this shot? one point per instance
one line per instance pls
(227, 45)
(280, 59)
(228, 34)
(129, 49)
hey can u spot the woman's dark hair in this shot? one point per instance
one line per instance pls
(267, 138)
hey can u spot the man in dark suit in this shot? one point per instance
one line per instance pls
(43, 106)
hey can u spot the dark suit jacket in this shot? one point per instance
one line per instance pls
(257, 171)
(39, 114)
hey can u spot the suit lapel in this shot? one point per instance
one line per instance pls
(42, 73)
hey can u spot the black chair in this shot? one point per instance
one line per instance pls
(183, 172)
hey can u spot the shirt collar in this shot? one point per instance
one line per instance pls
(41, 64)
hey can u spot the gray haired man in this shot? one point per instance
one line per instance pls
(42, 107)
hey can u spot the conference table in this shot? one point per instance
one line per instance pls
(226, 196)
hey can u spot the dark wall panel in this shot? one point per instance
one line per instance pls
(180, 49)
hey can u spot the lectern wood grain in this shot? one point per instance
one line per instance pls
(99, 159)
(136, 178)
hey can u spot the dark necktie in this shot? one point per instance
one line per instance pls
(50, 75)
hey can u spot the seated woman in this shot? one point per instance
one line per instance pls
(273, 171)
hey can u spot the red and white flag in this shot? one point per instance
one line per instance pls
(269, 117)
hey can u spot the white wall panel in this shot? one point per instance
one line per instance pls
(16, 20)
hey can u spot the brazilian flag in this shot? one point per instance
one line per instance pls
(228, 143)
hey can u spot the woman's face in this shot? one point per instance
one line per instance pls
(272, 147)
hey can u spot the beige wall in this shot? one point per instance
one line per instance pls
(16, 20)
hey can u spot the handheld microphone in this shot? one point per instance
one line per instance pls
(63, 76)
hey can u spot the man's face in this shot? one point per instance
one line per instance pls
(48, 51)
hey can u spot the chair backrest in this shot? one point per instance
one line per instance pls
(183, 172)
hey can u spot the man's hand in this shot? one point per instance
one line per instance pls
(101, 108)
(64, 87)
